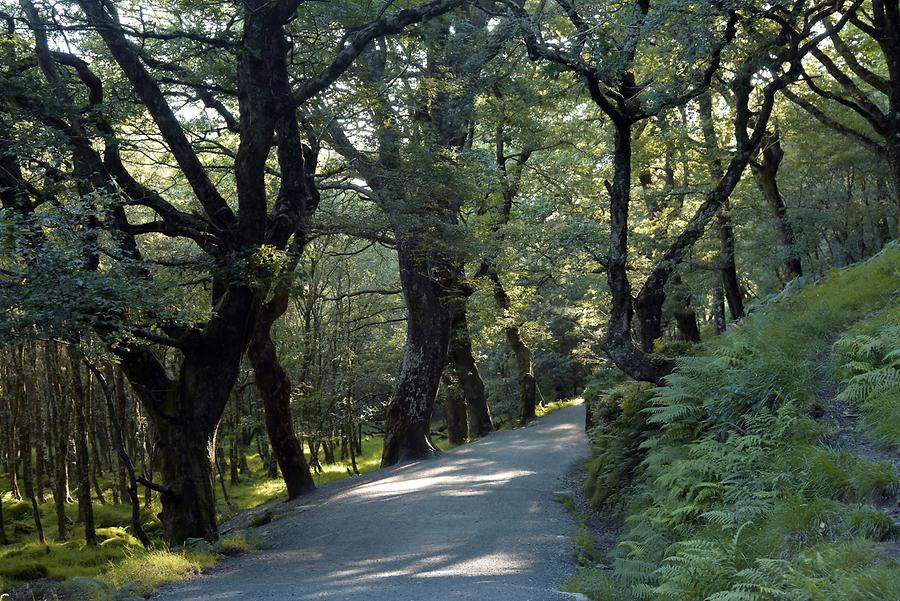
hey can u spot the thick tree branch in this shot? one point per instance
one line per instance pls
(356, 41)
(832, 124)
(152, 97)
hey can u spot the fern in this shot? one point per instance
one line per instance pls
(870, 371)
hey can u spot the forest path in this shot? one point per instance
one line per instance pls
(849, 437)
(480, 522)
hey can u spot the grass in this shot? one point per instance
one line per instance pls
(143, 573)
(728, 493)
(546, 408)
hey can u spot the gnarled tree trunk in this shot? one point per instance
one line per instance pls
(185, 412)
(186, 449)
(423, 275)
(766, 172)
(274, 386)
(620, 346)
(462, 362)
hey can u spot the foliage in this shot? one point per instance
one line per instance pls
(869, 366)
(621, 429)
(501, 164)
(735, 498)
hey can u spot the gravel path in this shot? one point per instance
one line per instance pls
(480, 522)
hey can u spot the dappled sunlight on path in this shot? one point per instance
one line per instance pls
(479, 522)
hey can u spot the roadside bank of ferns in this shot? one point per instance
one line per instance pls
(730, 484)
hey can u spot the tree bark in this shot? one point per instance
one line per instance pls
(462, 363)
(636, 362)
(766, 172)
(429, 320)
(685, 316)
(730, 283)
(894, 157)
(718, 310)
(185, 413)
(187, 494)
(454, 409)
(274, 387)
(82, 458)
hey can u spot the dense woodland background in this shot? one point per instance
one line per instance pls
(249, 248)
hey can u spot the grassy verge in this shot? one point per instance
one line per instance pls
(546, 408)
(594, 573)
(726, 490)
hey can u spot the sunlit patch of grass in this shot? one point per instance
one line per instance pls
(59, 560)
(143, 572)
(237, 543)
(546, 408)
(255, 490)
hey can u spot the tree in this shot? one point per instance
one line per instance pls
(618, 85)
(867, 83)
(242, 243)
(423, 217)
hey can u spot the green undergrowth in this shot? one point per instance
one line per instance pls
(721, 479)
(118, 568)
(867, 362)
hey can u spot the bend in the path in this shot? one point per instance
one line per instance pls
(480, 522)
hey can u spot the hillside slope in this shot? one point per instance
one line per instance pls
(766, 468)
